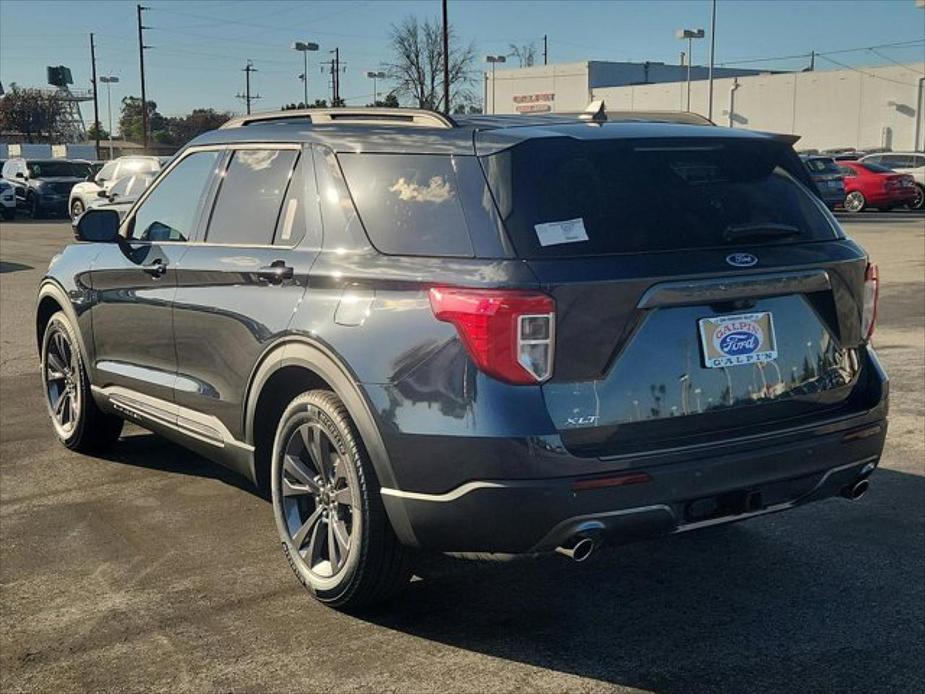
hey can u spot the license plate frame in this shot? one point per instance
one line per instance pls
(737, 340)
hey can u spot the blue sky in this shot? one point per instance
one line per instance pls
(200, 47)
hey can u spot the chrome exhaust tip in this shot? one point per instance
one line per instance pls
(580, 550)
(856, 490)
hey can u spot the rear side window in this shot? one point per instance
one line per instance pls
(566, 197)
(250, 197)
(409, 204)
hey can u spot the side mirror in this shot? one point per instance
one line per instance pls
(20, 174)
(102, 194)
(97, 226)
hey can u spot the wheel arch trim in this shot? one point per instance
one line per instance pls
(316, 357)
(50, 288)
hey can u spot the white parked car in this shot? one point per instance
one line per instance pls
(83, 194)
(912, 163)
(123, 193)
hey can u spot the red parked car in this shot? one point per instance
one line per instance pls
(872, 185)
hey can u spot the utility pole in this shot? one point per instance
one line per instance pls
(712, 57)
(336, 77)
(812, 59)
(247, 70)
(545, 50)
(141, 64)
(446, 62)
(96, 107)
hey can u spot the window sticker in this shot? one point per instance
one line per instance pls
(569, 231)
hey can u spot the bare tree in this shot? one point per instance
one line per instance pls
(417, 65)
(525, 53)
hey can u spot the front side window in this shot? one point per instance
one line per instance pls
(409, 204)
(107, 172)
(170, 212)
(122, 187)
(248, 203)
(560, 196)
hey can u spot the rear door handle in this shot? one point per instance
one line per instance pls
(155, 268)
(275, 272)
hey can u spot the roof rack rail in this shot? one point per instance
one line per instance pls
(415, 117)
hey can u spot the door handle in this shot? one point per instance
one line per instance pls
(156, 268)
(275, 272)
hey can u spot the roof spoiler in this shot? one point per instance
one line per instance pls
(786, 138)
(413, 117)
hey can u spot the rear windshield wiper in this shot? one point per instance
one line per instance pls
(764, 230)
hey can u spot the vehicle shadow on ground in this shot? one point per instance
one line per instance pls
(143, 449)
(12, 267)
(829, 596)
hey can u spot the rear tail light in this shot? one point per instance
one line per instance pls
(509, 334)
(871, 297)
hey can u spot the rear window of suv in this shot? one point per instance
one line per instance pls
(565, 197)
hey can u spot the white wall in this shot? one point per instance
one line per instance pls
(838, 108)
(566, 82)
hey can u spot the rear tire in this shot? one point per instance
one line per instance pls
(329, 514)
(855, 201)
(919, 202)
(77, 421)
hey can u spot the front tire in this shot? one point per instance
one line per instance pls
(77, 421)
(330, 517)
(77, 208)
(855, 201)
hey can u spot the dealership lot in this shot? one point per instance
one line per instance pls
(153, 568)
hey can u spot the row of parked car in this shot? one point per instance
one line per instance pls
(45, 187)
(856, 181)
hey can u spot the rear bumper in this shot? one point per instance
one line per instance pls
(633, 496)
(520, 516)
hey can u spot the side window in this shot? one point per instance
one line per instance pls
(170, 212)
(248, 203)
(876, 159)
(107, 172)
(122, 187)
(409, 203)
(918, 161)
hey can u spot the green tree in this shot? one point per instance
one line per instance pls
(130, 121)
(182, 129)
(91, 133)
(317, 103)
(35, 113)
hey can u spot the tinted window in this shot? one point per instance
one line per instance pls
(875, 168)
(822, 166)
(64, 169)
(560, 196)
(917, 161)
(409, 204)
(299, 214)
(171, 211)
(251, 194)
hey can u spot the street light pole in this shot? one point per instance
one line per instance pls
(109, 80)
(690, 35)
(304, 47)
(375, 75)
(494, 60)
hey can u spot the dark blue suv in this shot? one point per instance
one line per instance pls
(487, 337)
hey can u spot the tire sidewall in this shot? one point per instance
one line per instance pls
(75, 204)
(856, 195)
(60, 323)
(308, 409)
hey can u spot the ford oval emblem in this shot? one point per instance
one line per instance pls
(741, 259)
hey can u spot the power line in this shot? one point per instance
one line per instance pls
(864, 72)
(896, 62)
(896, 44)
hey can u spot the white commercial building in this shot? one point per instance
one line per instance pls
(863, 107)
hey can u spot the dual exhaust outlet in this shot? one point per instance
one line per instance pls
(581, 546)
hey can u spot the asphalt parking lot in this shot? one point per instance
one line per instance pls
(155, 569)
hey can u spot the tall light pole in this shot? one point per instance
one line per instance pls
(712, 56)
(690, 35)
(494, 60)
(304, 47)
(109, 80)
(375, 76)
